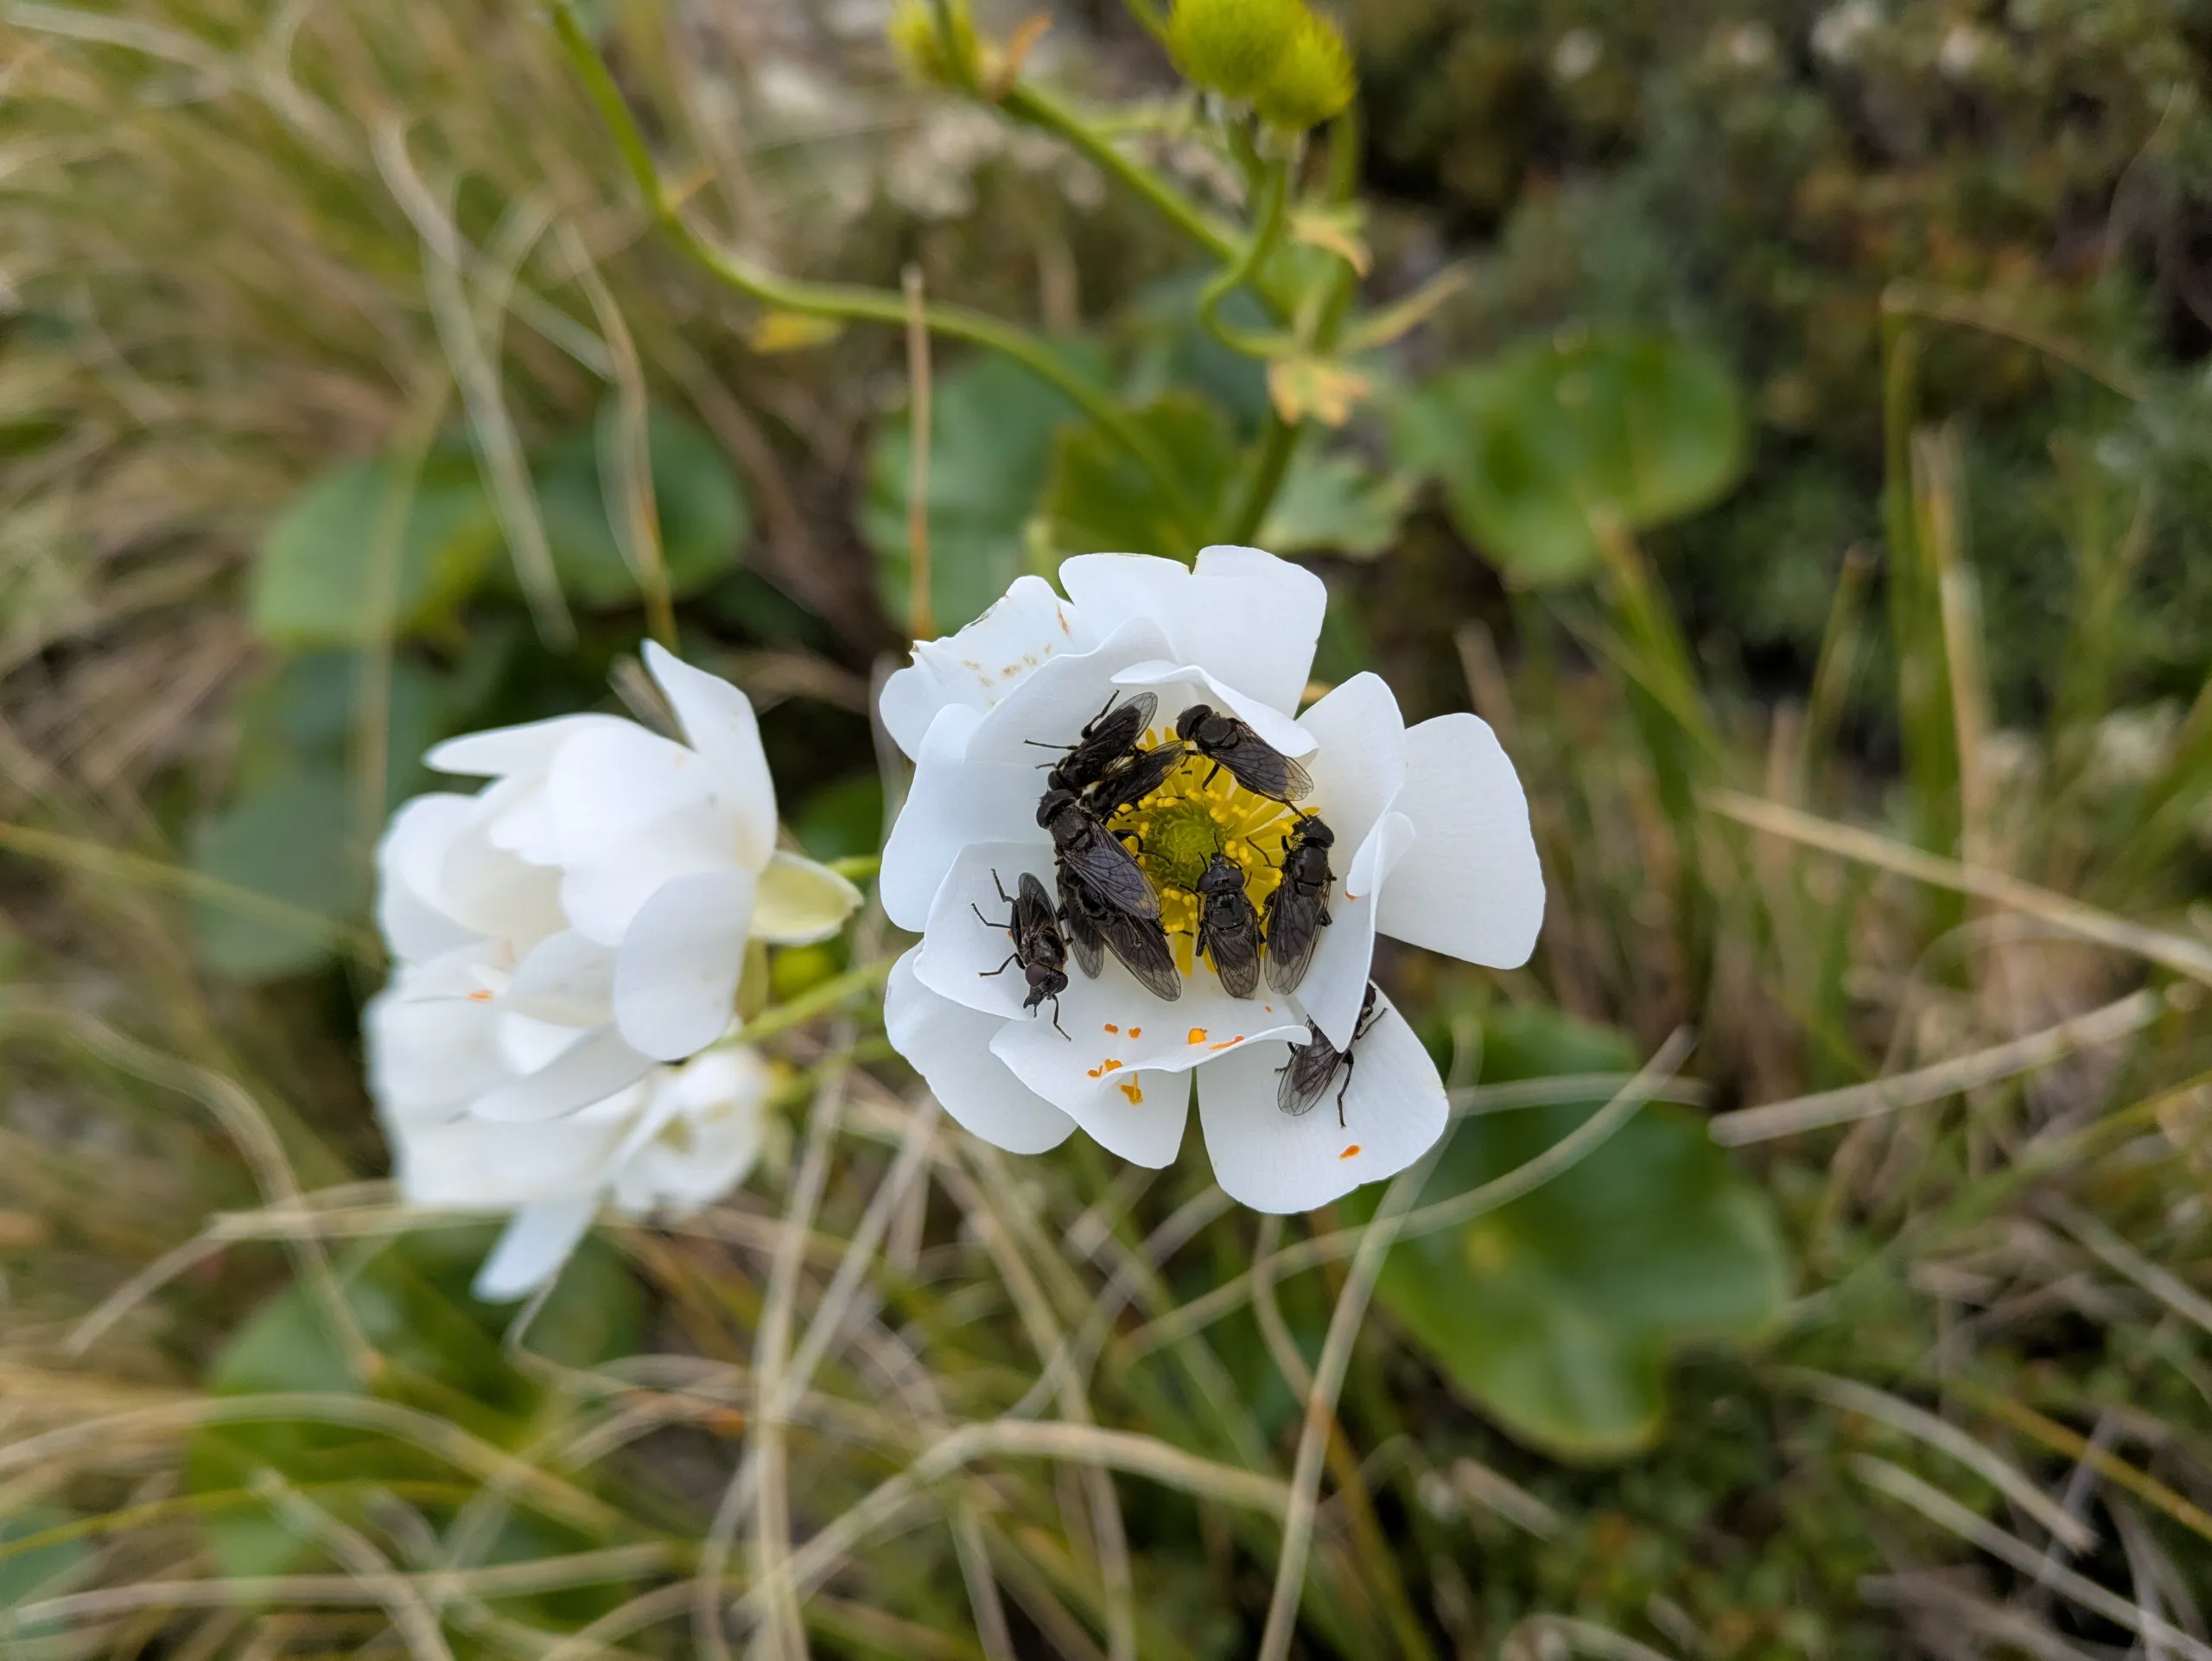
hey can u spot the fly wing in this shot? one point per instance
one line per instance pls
(1109, 870)
(1229, 934)
(1036, 926)
(1261, 768)
(1136, 777)
(1141, 944)
(1077, 909)
(1294, 930)
(1304, 1078)
(1108, 739)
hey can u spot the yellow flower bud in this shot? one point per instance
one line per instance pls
(1311, 80)
(920, 44)
(1232, 46)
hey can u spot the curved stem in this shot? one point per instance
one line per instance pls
(1278, 444)
(1267, 229)
(1042, 110)
(847, 301)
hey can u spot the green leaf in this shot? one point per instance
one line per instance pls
(441, 1353)
(1103, 497)
(1330, 503)
(1532, 445)
(991, 428)
(285, 839)
(705, 519)
(1556, 1314)
(43, 1570)
(326, 560)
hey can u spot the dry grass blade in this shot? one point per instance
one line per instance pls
(2174, 951)
(2106, 1025)
(1917, 1423)
(1946, 1512)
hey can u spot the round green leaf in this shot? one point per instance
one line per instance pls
(1535, 446)
(328, 562)
(284, 839)
(1103, 497)
(705, 520)
(1556, 1314)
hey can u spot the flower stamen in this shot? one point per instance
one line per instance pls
(1199, 810)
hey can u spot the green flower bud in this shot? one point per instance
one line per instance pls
(1311, 80)
(1233, 46)
(920, 43)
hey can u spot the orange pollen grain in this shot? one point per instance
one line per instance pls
(1109, 1066)
(1136, 1031)
(1132, 1090)
(1093, 1073)
(1112, 1028)
(1230, 1045)
(1349, 1152)
(1198, 1035)
(480, 995)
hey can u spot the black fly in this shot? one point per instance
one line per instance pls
(1035, 930)
(1105, 898)
(1134, 777)
(1109, 739)
(1303, 1079)
(1298, 907)
(1252, 762)
(1229, 928)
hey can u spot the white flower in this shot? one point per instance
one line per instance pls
(593, 903)
(1432, 847)
(674, 1140)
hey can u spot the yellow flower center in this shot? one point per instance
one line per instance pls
(1184, 823)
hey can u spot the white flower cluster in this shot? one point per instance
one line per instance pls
(568, 940)
(562, 936)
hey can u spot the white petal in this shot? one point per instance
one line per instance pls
(612, 783)
(1052, 706)
(1470, 886)
(951, 1047)
(799, 902)
(708, 1142)
(568, 979)
(517, 816)
(533, 1249)
(495, 892)
(675, 972)
(507, 750)
(591, 1069)
(1395, 1109)
(1181, 686)
(409, 858)
(953, 803)
(1336, 982)
(1116, 1027)
(1140, 1119)
(429, 1059)
(1249, 618)
(474, 1165)
(1359, 757)
(983, 662)
(959, 956)
(718, 720)
(601, 895)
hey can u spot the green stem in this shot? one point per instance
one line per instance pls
(1278, 444)
(1042, 110)
(1266, 230)
(816, 1000)
(843, 300)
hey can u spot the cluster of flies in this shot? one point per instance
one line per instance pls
(1107, 903)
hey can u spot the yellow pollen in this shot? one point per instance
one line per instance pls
(1134, 1090)
(1180, 827)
